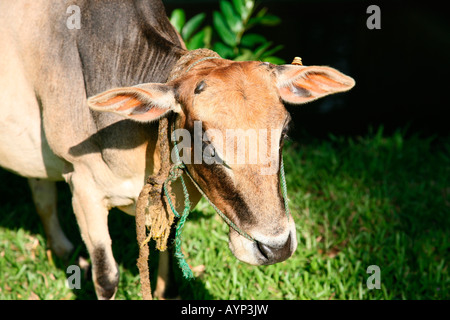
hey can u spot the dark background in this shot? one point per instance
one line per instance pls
(401, 70)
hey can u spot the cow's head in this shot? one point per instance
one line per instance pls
(215, 97)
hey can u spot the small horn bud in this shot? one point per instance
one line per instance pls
(297, 61)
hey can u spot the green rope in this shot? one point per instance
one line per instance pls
(177, 172)
(224, 217)
(284, 189)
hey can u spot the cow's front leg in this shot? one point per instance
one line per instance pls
(92, 217)
(44, 197)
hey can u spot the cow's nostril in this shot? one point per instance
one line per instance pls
(275, 254)
(264, 250)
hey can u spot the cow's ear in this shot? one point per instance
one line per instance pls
(301, 84)
(143, 103)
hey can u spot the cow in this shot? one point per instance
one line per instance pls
(82, 105)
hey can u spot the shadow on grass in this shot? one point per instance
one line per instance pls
(16, 197)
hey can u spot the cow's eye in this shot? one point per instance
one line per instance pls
(284, 136)
(209, 153)
(208, 150)
(210, 156)
(284, 133)
(200, 87)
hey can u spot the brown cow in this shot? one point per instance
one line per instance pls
(122, 56)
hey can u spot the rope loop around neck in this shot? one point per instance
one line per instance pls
(200, 61)
(188, 60)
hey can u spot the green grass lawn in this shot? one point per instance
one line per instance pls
(375, 200)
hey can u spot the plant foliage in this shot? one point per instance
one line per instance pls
(229, 35)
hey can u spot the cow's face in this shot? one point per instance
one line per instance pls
(231, 127)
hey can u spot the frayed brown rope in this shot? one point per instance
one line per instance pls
(151, 213)
(141, 232)
(159, 219)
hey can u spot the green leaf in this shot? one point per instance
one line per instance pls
(232, 19)
(208, 36)
(262, 19)
(273, 51)
(253, 22)
(223, 50)
(274, 60)
(192, 25)
(177, 19)
(248, 9)
(197, 41)
(261, 49)
(270, 20)
(245, 56)
(262, 12)
(225, 34)
(251, 39)
(201, 39)
(239, 6)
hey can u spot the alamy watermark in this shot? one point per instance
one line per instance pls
(74, 20)
(74, 277)
(229, 147)
(374, 281)
(374, 20)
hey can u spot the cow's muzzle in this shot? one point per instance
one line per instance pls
(274, 254)
(264, 250)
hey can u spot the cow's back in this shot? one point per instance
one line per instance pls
(50, 70)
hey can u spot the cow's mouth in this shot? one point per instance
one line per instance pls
(262, 252)
(274, 254)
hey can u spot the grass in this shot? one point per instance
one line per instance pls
(375, 200)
